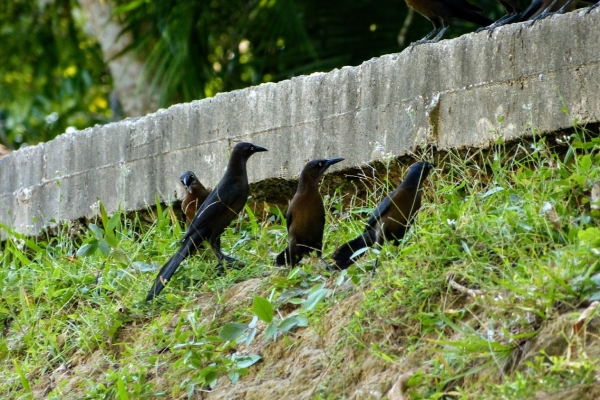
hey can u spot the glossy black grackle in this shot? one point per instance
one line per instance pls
(214, 215)
(392, 217)
(306, 215)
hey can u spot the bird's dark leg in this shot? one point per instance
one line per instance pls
(215, 243)
(439, 35)
(426, 39)
(505, 20)
(291, 253)
(564, 7)
(546, 13)
(228, 259)
(592, 7)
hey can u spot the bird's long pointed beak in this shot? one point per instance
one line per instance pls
(331, 161)
(258, 148)
(187, 185)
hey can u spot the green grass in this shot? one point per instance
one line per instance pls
(78, 300)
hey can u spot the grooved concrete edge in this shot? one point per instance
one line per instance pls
(463, 92)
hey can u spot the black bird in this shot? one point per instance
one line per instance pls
(513, 9)
(439, 12)
(392, 217)
(306, 215)
(214, 215)
(195, 196)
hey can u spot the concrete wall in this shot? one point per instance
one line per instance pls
(450, 94)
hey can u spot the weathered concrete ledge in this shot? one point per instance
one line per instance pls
(463, 92)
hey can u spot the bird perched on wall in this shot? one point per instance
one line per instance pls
(439, 12)
(221, 207)
(392, 217)
(195, 195)
(306, 214)
(513, 9)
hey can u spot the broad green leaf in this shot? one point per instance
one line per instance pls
(302, 320)
(111, 239)
(262, 308)
(232, 331)
(143, 267)
(271, 331)
(234, 377)
(288, 323)
(247, 361)
(104, 247)
(88, 249)
(114, 222)
(97, 231)
(313, 299)
(595, 297)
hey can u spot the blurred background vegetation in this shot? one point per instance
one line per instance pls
(59, 66)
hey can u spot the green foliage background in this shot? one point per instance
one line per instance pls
(53, 75)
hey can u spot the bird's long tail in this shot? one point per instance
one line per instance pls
(342, 256)
(167, 271)
(281, 258)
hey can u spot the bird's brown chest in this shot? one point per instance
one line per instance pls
(428, 8)
(308, 215)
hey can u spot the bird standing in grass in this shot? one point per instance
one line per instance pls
(195, 195)
(306, 215)
(439, 12)
(392, 217)
(214, 215)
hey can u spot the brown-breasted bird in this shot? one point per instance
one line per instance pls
(214, 215)
(305, 216)
(392, 217)
(439, 12)
(195, 195)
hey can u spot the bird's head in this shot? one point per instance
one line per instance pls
(245, 150)
(417, 173)
(188, 179)
(316, 168)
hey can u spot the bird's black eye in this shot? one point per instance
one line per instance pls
(252, 148)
